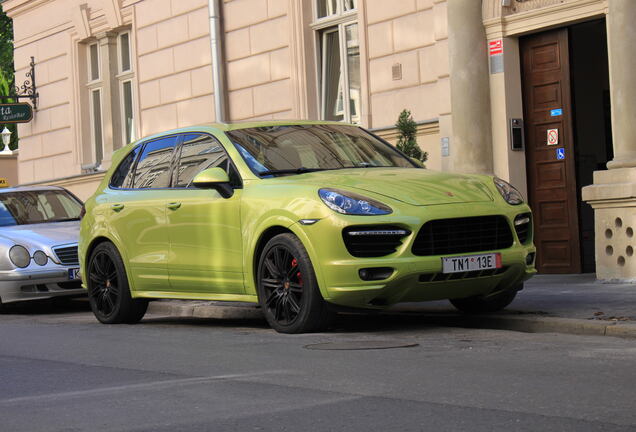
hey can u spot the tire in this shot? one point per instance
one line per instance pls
(108, 289)
(287, 288)
(486, 304)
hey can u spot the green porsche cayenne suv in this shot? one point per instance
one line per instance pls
(304, 218)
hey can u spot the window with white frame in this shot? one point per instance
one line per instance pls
(125, 85)
(339, 59)
(95, 85)
(110, 95)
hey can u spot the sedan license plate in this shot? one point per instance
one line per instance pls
(73, 274)
(471, 263)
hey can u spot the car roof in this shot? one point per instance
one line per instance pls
(30, 188)
(226, 127)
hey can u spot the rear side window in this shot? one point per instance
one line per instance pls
(123, 175)
(200, 152)
(153, 168)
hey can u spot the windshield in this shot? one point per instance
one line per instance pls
(300, 148)
(32, 207)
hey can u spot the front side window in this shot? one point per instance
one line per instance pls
(153, 168)
(200, 152)
(296, 148)
(33, 207)
(337, 32)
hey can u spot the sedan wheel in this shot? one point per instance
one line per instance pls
(108, 291)
(287, 287)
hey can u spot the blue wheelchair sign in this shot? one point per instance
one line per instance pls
(560, 153)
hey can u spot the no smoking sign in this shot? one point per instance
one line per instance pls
(553, 137)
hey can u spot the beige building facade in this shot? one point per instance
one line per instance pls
(538, 92)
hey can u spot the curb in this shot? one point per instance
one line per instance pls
(548, 324)
(523, 322)
(205, 309)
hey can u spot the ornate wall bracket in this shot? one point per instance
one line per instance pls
(27, 90)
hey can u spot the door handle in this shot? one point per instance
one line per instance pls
(117, 207)
(174, 205)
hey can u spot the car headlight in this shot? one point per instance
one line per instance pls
(40, 258)
(350, 203)
(19, 256)
(508, 191)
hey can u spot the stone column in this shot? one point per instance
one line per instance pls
(621, 40)
(471, 144)
(613, 194)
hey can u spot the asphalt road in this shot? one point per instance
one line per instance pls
(62, 371)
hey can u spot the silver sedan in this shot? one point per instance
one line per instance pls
(39, 231)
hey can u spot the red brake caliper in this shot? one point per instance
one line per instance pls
(294, 263)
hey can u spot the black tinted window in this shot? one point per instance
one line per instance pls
(200, 152)
(122, 177)
(153, 168)
(33, 207)
(318, 147)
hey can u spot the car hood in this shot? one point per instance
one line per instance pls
(41, 235)
(413, 186)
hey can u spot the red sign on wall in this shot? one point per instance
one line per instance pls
(495, 47)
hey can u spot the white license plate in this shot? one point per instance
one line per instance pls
(73, 274)
(471, 263)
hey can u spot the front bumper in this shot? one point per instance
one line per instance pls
(414, 278)
(24, 284)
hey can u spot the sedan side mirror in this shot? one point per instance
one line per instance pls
(214, 178)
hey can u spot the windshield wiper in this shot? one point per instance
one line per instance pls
(62, 220)
(368, 165)
(300, 170)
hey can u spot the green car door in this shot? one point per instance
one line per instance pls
(204, 228)
(136, 205)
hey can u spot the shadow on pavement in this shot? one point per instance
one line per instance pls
(54, 306)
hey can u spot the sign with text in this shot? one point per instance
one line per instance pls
(16, 113)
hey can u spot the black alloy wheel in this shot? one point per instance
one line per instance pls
(104, 283)
(282, 281)
(287, 287)
(108, 290)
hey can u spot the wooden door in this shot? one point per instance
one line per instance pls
(550, 166)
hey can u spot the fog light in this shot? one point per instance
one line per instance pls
(530, 258)
(40, 258)
(375, 273)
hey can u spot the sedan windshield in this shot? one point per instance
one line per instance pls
(296, 149)
(33, 207)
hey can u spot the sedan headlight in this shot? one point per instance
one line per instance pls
(508, 191)
(40, 258)
(19, 256)
(350, 203)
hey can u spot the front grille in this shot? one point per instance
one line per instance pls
(67, 255)
(463, 235)
(440, 277)
(366, 241)
(523, 223)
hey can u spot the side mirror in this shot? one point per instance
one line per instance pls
(214, 178)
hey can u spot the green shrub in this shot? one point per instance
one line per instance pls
(407, 141)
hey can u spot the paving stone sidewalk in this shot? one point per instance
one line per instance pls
(574, 304)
